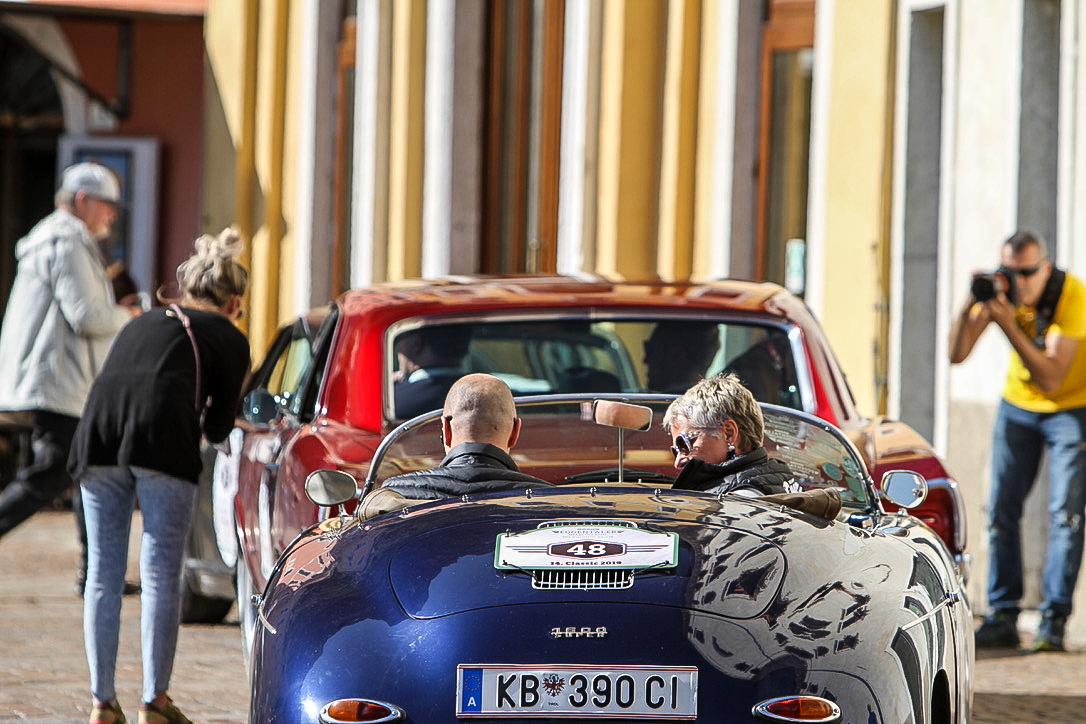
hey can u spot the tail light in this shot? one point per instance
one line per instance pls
(361, 711)
(798, 709)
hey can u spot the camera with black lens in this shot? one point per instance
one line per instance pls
(988, 285)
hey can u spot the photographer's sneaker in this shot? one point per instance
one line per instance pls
(999, 631)
(1050, 633)
(168, 713)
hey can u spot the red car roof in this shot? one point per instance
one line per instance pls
(479, 291)
(368, 312)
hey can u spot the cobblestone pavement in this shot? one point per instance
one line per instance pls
(43, 667)
(43, 670)
(1020, 686)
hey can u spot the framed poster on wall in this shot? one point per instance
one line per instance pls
(135, 161)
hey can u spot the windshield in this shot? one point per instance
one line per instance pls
(577, 355)
(560, 443)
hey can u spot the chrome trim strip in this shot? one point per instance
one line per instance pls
(951, 599)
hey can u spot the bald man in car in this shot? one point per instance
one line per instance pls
(478, 428)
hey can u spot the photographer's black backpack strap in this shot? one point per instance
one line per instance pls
(1046, 307)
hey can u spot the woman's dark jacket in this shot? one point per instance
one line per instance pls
(471, 467)
(754, 471)
(142, 409)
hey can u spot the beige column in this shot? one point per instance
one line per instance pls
(631, 120)
(406, 139)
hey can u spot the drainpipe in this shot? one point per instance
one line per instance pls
(273, 210)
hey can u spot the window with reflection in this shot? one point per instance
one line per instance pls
(540, 356)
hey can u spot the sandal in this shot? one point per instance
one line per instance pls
(109, 713)
(166, 714)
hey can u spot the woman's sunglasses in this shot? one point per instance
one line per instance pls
(684, 443)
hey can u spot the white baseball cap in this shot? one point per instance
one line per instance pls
(92, 178)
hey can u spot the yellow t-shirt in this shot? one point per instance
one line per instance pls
(1070, 320)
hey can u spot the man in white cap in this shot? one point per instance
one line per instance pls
(59, 323)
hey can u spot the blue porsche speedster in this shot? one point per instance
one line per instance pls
(610, 595)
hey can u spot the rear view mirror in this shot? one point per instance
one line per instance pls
(622, 414)
(330, 487)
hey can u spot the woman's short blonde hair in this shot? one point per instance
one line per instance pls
(712, 402)
(213, 274)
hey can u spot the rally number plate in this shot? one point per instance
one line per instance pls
(572, 690)
(602, 545)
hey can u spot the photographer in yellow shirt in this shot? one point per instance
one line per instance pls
(1042, 312)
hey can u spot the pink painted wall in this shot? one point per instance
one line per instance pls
(166, 89)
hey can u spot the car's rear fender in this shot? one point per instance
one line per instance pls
(412, 663)
(345, 617)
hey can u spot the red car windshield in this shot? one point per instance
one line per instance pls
(539, 356)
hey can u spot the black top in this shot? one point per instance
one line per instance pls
(141, 410)
(416, 396)
(753, 471)
(471, 467)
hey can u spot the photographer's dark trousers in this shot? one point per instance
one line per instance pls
(1019, 439)
(45, 476)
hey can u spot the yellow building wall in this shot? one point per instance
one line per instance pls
(252, 63)
(646, 177)
(268, 154)
(705, 200)
(650, 141)
(223, 69)
(856, 190)
(290, 176)
(406, 139)
(630, 137)
(229, 94)
(680, 132)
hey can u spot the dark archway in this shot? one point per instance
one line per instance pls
(31, 120)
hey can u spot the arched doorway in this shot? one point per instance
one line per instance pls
(31, 121)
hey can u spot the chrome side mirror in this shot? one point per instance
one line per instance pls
(330, 487)
(904, 488)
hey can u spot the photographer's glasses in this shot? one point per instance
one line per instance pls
(1026, 272)
(685, 442)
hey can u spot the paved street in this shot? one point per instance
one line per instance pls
(43, 671)
(43, 668)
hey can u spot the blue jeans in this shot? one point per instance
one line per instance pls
(167, 504)
(1019, 439)
(46, 476)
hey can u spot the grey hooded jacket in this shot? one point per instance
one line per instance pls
(60, 319)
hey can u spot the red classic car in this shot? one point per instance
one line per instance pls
(339, 379)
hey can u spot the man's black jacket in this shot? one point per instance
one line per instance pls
(471, 467)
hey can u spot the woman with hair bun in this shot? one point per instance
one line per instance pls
(173, 375)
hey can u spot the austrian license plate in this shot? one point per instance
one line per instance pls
(573, 690)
